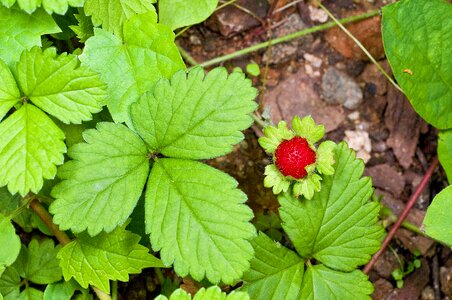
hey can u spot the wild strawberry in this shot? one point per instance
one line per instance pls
(298, 163)
(292, 156)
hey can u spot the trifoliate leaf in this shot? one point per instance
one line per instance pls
(84, 29)
(195, 116)
(275, 273)
(112, 14)
(103, 182)
(20, 31)
(132, 67)
(325, 157)
(59, 85)
(438, 220)
(30, 147)
(211, 293)
(273, 136)
(417, 36)
(51, 6)
(9, 93)
(38, 262)
(306, 128)
(338, 226)
(31, 294)
(196, 217)
(9, 242)
(10, 283)
(275, 180)
(107, 256)
(445, 152)
(320, 282)
(179, 13)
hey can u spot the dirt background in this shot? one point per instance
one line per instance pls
(327, 76)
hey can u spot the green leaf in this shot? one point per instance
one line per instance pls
(9, 203)
(276, 272)
(195, 116)
(445, 152)
(20, 31)
(30, 147)
(438, 220)
(319, 282)
(179, 13)
(84, 29)
(112, 14)
(38, 262)
(59, 85)
(273, 136)
(211, 293)
(51, 6)
(338, 226)
(132, 67)
(60, 290)
(417, 36)
(108, 256)
(196, 217)
(103, 182)
(325, 157)
(9, 242)
(10, 283)
(31, 294)
(9, 93)
(306, 128)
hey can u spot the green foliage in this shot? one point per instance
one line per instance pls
(20, 31)
(30, 6)
(338, 228)
(253, 69)
(195, 116)
(276, 272)
(114, 255)
(60, 290)
(179, 13)
(417, 36)
(133, 65)
(9, 243)
(438, 220)
(445, 152)
(199, 209)
(9, 92)
(270, 224)
(211, 293)
(84, 29)
(30, 147)
(103, 182)
(112, 14)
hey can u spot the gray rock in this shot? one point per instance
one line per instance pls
(339, 88)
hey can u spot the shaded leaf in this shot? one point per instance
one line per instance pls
(196, 217)
(108, 256)
(9, 242)
(196, 116)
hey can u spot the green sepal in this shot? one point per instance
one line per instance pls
(275, 180)
(274, 136)
(325, 157)
(307, 129)
(307, 186)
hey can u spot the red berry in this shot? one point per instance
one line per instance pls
(292, 156)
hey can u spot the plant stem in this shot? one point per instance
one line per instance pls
(44, 215)
(258, 120)
(403, 215)
(61, 236)
(114, 290)
(186, 56)
(286, 38)
(358, 43)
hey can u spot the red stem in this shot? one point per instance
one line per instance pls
(403, 215)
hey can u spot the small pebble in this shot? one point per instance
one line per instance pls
(317, 14)
(339, 88)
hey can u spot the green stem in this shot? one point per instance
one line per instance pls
(186, 56)
(20, 209)
(286, 38)
(114, 290)
(160, 276)
(358, 43)
(258, 120)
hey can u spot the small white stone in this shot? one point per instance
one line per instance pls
(353, 116)
(313, 60)
(359, 141)
(317, 14)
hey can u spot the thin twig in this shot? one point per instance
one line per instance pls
(287, 6)
(186, 56)
(358, 43)
(286, 38)
(403, 215)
